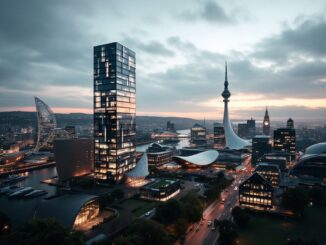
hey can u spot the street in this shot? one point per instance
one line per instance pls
(201, 233)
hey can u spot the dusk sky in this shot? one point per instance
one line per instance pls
(276, 55)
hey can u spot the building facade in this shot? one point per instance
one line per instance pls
(219, 136)
(284, 140)
(160, 189)
(260, 146)
(198, 134)
(256, 192)
(73, 157)
(271, 172)
(114, 112)
(159, 155)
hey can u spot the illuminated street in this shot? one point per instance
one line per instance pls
(201, 233)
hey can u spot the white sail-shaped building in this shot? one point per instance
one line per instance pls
(46, 124)
(232, 140)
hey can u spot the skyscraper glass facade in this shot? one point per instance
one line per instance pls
(114, 112)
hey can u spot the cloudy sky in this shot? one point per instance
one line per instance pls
(276, 53)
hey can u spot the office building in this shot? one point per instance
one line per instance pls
(73, 157)
(281, 159)
(114, 112)
(198, 135)
(256, 192)
(271, 172)
(247, 130)
(266, 124)
(219, 137)
(284, 140)
(260, 146)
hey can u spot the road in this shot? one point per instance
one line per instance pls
(201, 233)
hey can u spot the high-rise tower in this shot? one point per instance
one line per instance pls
(114, 112)
(233, 141)
(266, 123)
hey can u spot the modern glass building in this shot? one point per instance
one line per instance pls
(284, 140)
(114, 112)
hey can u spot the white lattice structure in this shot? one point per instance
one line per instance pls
(46, 124)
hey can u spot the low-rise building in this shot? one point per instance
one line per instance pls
(256, 192)
(159, 155)
(160, 189)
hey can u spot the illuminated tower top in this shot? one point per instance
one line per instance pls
(266, 123)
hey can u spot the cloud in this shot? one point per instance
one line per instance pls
(211, 12)
(307, 39)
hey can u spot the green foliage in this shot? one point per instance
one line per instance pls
(106, 200)
(169, 211)
(228, 233)
(215, 187)
(144, 232)
(316, 195)
(118, 194)
(295, 200)
(44, 232)
(180, 227)
(5, 225)
(301, 242)
(240, 216)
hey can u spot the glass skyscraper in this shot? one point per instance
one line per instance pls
(114, 112)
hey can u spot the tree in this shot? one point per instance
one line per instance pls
(295, 199)
(180, 227)
(301, 242)
(316, 195)
(169, 211)
(228, 233)
(240, 216)
(44, 232)
(144, 232)
(105, 200)
(118, 194)
(5, 225)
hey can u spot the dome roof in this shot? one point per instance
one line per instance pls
(319, 148)
(200, 159)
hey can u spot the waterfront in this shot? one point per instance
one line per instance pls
(23, 209)
(20, 210)
(184, 142)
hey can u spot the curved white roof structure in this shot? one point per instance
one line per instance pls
(233, 141)
(141, 169)
(46, 123)
(201, 159)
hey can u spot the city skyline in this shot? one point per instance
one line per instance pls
(277, 61)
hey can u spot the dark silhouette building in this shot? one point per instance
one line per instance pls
(73, 157)
(170, 126)
(219, 136)
(114, 112)
(290, 123)
(284, 140)
(266, 124)
(260, 146)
